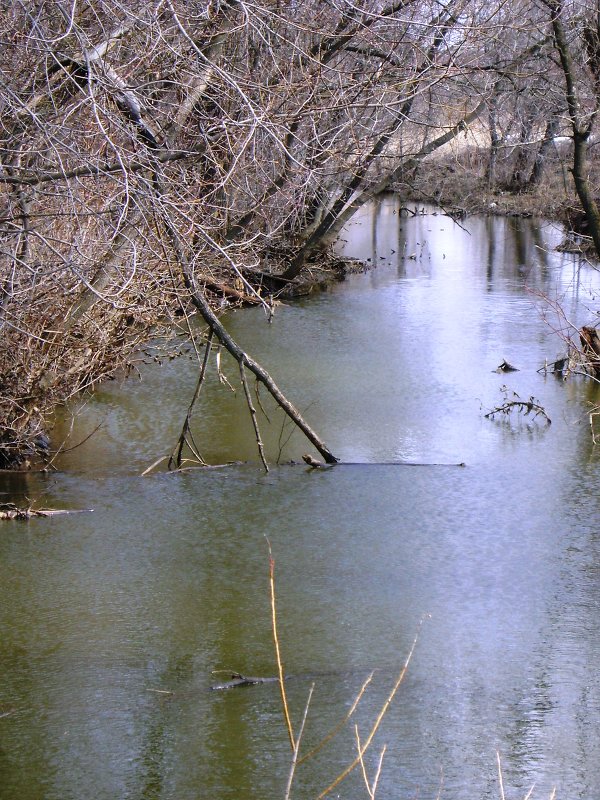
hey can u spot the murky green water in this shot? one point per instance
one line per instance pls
(112, 621)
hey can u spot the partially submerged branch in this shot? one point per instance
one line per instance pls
(186, 437)
(259, 441)
(9, 511)
(515, 403)
(243, 359)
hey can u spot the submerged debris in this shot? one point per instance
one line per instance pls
(237, 679)
(11, 511)
(506, 367)
(513, 402)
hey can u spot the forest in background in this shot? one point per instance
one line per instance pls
(167, 159)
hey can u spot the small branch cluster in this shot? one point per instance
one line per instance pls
(513, 402)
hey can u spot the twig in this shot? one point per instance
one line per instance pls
(61, 449)
(363, 768)
(286, 713)
(371, 787)
(376, 724)
(529, 793)
(521, 405)
(500, 776)
(334, 731)
(154, 464)
(441, 787)
(259, 442)
(222, 377)
(176, 456)
(526, 406)
(294, 763)
(378, 770)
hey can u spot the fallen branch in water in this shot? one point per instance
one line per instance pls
(525, 407)
(11, 511)
(243, 359)
(186, 437)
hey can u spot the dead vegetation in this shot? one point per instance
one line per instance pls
(166, 159)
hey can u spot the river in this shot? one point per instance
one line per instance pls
(112, 621)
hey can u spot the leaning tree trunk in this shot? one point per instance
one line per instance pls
(243, 359)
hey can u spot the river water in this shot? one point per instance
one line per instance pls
(112, 621)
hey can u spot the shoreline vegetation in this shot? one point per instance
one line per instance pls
(159, 164)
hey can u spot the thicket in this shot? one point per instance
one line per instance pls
(167, 158)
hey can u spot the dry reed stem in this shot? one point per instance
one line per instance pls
(376, 724)
(378, 770)
(334, 731)
(294, 763)
(441, 787)
(363, 768)
(500, 776)
(286, 712)
(154, 464)
(371, 787)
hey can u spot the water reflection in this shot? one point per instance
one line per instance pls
(113, 621)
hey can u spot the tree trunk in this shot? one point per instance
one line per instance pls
(581, 129)
(544, 149)
(518, 178)
(490, 173)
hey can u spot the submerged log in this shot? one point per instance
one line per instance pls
(237, 679)
(312, 462)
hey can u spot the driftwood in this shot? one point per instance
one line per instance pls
(312, 462)
(515, 403)
(11, 511)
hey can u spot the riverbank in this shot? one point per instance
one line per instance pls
(458, 181)
(455, 183)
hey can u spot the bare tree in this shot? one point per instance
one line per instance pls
(123, 126)
(577, 42)
(156, 157)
